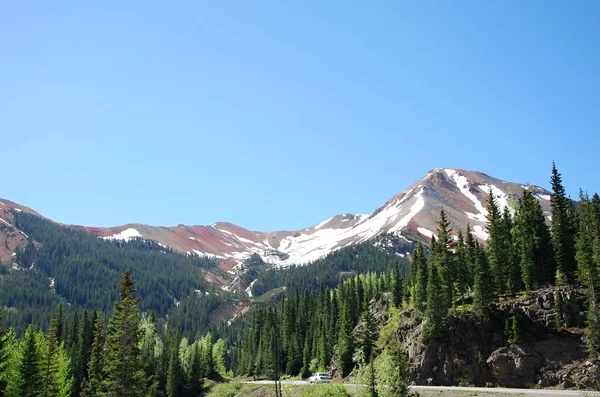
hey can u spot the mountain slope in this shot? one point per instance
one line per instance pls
(415, 211)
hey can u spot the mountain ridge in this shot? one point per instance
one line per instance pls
(414, 210)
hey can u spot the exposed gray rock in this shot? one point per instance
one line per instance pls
(514, 366)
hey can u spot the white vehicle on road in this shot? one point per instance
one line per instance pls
(319, 377)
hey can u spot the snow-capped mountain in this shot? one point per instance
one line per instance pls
(415, 211)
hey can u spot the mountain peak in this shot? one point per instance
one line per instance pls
(415, 211)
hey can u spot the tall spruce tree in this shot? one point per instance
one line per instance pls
(470, 243)
(345, 345)
(562, 230)
(483, 291)
(443, 259)
(49, 363)
(496, 247)
(92, 384)
(461, 267)
(366, 336)
(588, 266)
(124, 374)
(437, 309)
(422, 274)
(532, 241)
(3, 355)
(30, 376)
(397, 287)
(513, 273)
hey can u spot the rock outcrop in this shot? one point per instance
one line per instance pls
(551, 349)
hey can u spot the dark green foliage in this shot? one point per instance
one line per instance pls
(588, 265)
(442, 258)
(30, 384)
(85, 270)
(372, 383)
(3, 354)
(345, 345)
(397, 287)
(124, 376)
(91, 384)
(174, 371)
(532, 241)
(483, 291)
(366, 335)
(512, 329)
(422, 273)
(194, 377)
(562, 230)
(513, 271)
(497, 255)
(360, 258)
(437, 309)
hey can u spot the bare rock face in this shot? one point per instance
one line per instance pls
(477, 352)
(514, 366)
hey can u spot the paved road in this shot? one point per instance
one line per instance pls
(528, 392)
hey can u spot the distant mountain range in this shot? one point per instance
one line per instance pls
(415, 211)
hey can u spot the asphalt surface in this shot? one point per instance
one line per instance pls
(528, 392)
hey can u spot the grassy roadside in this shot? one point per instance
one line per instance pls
(235, 389)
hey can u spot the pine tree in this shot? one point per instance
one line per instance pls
(367, 336)
(461, 267)
(442, 258)
(29, 368)
(562, 230)
(393, 371)
(345, 345)
(372, 385)
(483, 291)
(588, 266)
(436, 310)
(194, 376)
(496, 248)
(513, 273)
(60, 325)
(124, 376)
(471, 253)
(532, 240)
(3, 355)
(306, 358)
(397, 287)
(174, 374)
(219, 353)
(49, 365)
(420, 263)
(91, 385)
(82, 352)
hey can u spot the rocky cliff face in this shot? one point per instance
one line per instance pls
(550, 349)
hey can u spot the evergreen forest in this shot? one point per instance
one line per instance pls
(339, 315)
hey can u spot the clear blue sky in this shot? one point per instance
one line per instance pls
(278, 114)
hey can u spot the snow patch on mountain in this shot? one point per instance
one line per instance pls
(249, 289)
(320, 225)
(125, 235)
(464, 186)
(425, 232)
(499, 195)
(480, 232)
(307, 247)
(209, 255)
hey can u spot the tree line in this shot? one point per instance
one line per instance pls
(89, 357)
(310, 331)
